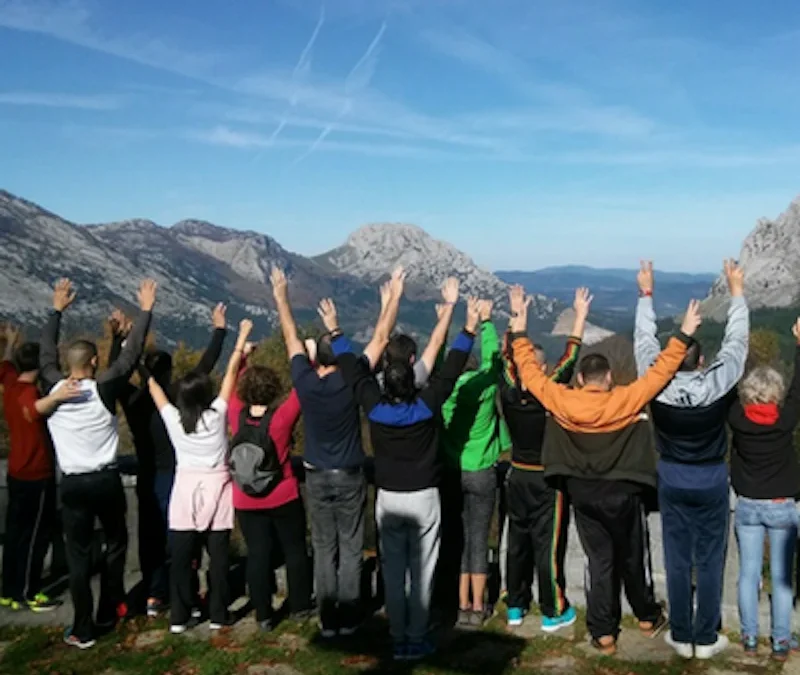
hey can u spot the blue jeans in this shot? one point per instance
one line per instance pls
(754, 518)
(695, 527)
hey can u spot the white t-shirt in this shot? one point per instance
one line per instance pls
(207, 446)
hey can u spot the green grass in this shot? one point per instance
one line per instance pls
(492, 651)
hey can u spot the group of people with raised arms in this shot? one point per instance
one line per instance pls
(581, 446)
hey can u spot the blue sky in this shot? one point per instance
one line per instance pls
(527, 133)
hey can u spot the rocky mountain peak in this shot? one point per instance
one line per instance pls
(770, 257)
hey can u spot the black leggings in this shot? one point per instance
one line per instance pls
(183, 588)
(264, 530)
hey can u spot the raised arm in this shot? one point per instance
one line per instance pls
(157, 393)
(236, 405)
(728, 367)
(232, 372)
(68, 391)
(646, 346)
(491, 363)
(357, 374)
(391, 294)
(49, 369)
(122, 369)
(214, 349)
(445, 315)
(581, 305)
(443, 381)
(11, 335)
(280, 290)
(565, 368)
(120, 326)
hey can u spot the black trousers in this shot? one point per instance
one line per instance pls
(264, 530)
(84, 498)
(613, 532)
(538, 523)
(29, 527)
(183, 589)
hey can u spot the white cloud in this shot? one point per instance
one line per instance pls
(60, 100)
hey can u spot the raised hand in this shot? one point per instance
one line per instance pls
(245, 328)
(249, 348)
(218, 316)
(473, 313)
(11, 334)
(311, 349)
(796, 330)
(279, 284)
(147, 295)
(583, 301)
(692, 319)
(519, 304)
(120, 324)
(735, 276)
(63, 295)
(327, 312)
(450, 290)
(485, 310)
(398, 281)
(646, 278)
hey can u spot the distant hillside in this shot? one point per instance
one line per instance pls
(614, 290)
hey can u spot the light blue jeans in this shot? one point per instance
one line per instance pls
(754, 519)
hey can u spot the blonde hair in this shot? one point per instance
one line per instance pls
(763, 384)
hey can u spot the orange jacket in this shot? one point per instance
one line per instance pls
(591, 409)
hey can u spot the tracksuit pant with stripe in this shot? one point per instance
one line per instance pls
(614, 534)
(29, 528)
(538, 522)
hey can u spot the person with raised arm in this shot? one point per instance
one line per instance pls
(471, 441)
(268, 502)
(333, 458)
(155, 454)
(404, 428)
(766, 478)
(30, 478)
(538, 511)
(201, 504)
(692, 443)
(598, 441)
(84, 433)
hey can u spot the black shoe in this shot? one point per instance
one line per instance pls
(266, 626)
(303, 616)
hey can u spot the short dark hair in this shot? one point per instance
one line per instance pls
(259, 385)
(325, 355)
(26, 358)
(80, 354)
(159, 364)
(594, 367)
(399, 381)
(694, 353)
(193, 396)
(400, 348)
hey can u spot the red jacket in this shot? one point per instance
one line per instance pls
(31, 457)
(281, 428)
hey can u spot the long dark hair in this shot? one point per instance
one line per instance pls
(399, 381)
(193, 396)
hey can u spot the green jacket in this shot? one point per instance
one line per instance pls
(474, 434)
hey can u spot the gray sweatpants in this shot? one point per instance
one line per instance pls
(408, 526)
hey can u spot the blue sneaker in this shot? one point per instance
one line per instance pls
(750, 644)
(515, 616)
(554, 623)
(416, 651)
(400, 651)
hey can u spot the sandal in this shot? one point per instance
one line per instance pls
(653, 628)
(608, 649)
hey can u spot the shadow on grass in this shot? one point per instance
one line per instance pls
(481, 652)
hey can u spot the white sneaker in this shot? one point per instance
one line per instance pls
(683, 649)
(177, 629)
(705, 652)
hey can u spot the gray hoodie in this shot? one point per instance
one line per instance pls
(702, 387)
